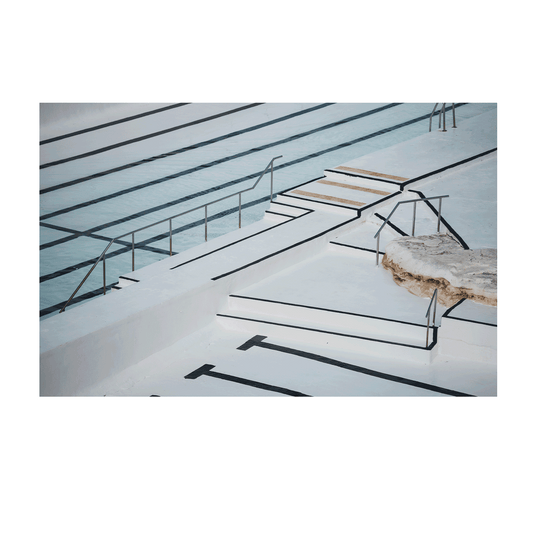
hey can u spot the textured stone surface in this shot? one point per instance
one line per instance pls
(423, 263)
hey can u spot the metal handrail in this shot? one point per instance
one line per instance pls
(442, 114)
(169, 219)
(414, 217)
(433, 298)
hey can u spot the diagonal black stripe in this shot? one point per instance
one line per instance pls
(355, 368)
(205, 370)
(107, 124)
(183, 150)
(143, 137)
(223, 160)
(395, 228)
(443, 221)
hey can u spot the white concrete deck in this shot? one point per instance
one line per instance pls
(144, 339)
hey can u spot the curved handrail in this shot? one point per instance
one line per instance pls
(414, 217)
(169, 219)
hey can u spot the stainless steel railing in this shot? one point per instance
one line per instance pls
(442, 114)
(433, 299)
(414, 202)
(203, 206)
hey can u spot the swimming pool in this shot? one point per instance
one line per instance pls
(101, 183)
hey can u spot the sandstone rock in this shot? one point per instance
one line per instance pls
(423, 263)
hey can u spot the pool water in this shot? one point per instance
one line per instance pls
(105, 182)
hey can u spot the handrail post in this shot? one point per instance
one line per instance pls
(453, 111)
(205, 223)
(133, 251)
(414, 217)
(377, 251)
(103, 264)
(431, 116)
(438, 220)
(240, 194)
(271, 179)
(428, 313)
(444, 117)
(170, 232)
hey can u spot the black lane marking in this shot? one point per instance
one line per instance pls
(235, 242)
(161, 236)
(285, 249)
(303, 328)
(239, 180)
(129, 279)
(220, 161)
(77, 234)
(77, 299)
(258, 340)
(443, 220)
(182, 150)
(144, 137)
(395, 228)
(93, 236)
(327, 310)
(453, 165)
(355, 247)
(206, 370)
(113, 123)
(390, 182)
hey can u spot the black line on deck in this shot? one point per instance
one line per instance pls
(237, 242)
(395, 228)
(206, 370)
(355, 247)
(287, 248)
(347, 335)
(472, 321)
(447, 167)
(144, 137)
(258, 340)
(327, 310)
(450, 309)
(113, 123)
(443, 220)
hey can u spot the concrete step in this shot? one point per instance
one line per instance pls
(277, 217)
(324, 327)
(285, 209)
(314, 204)
(374, 180)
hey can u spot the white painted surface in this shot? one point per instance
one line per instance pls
(82, 349)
